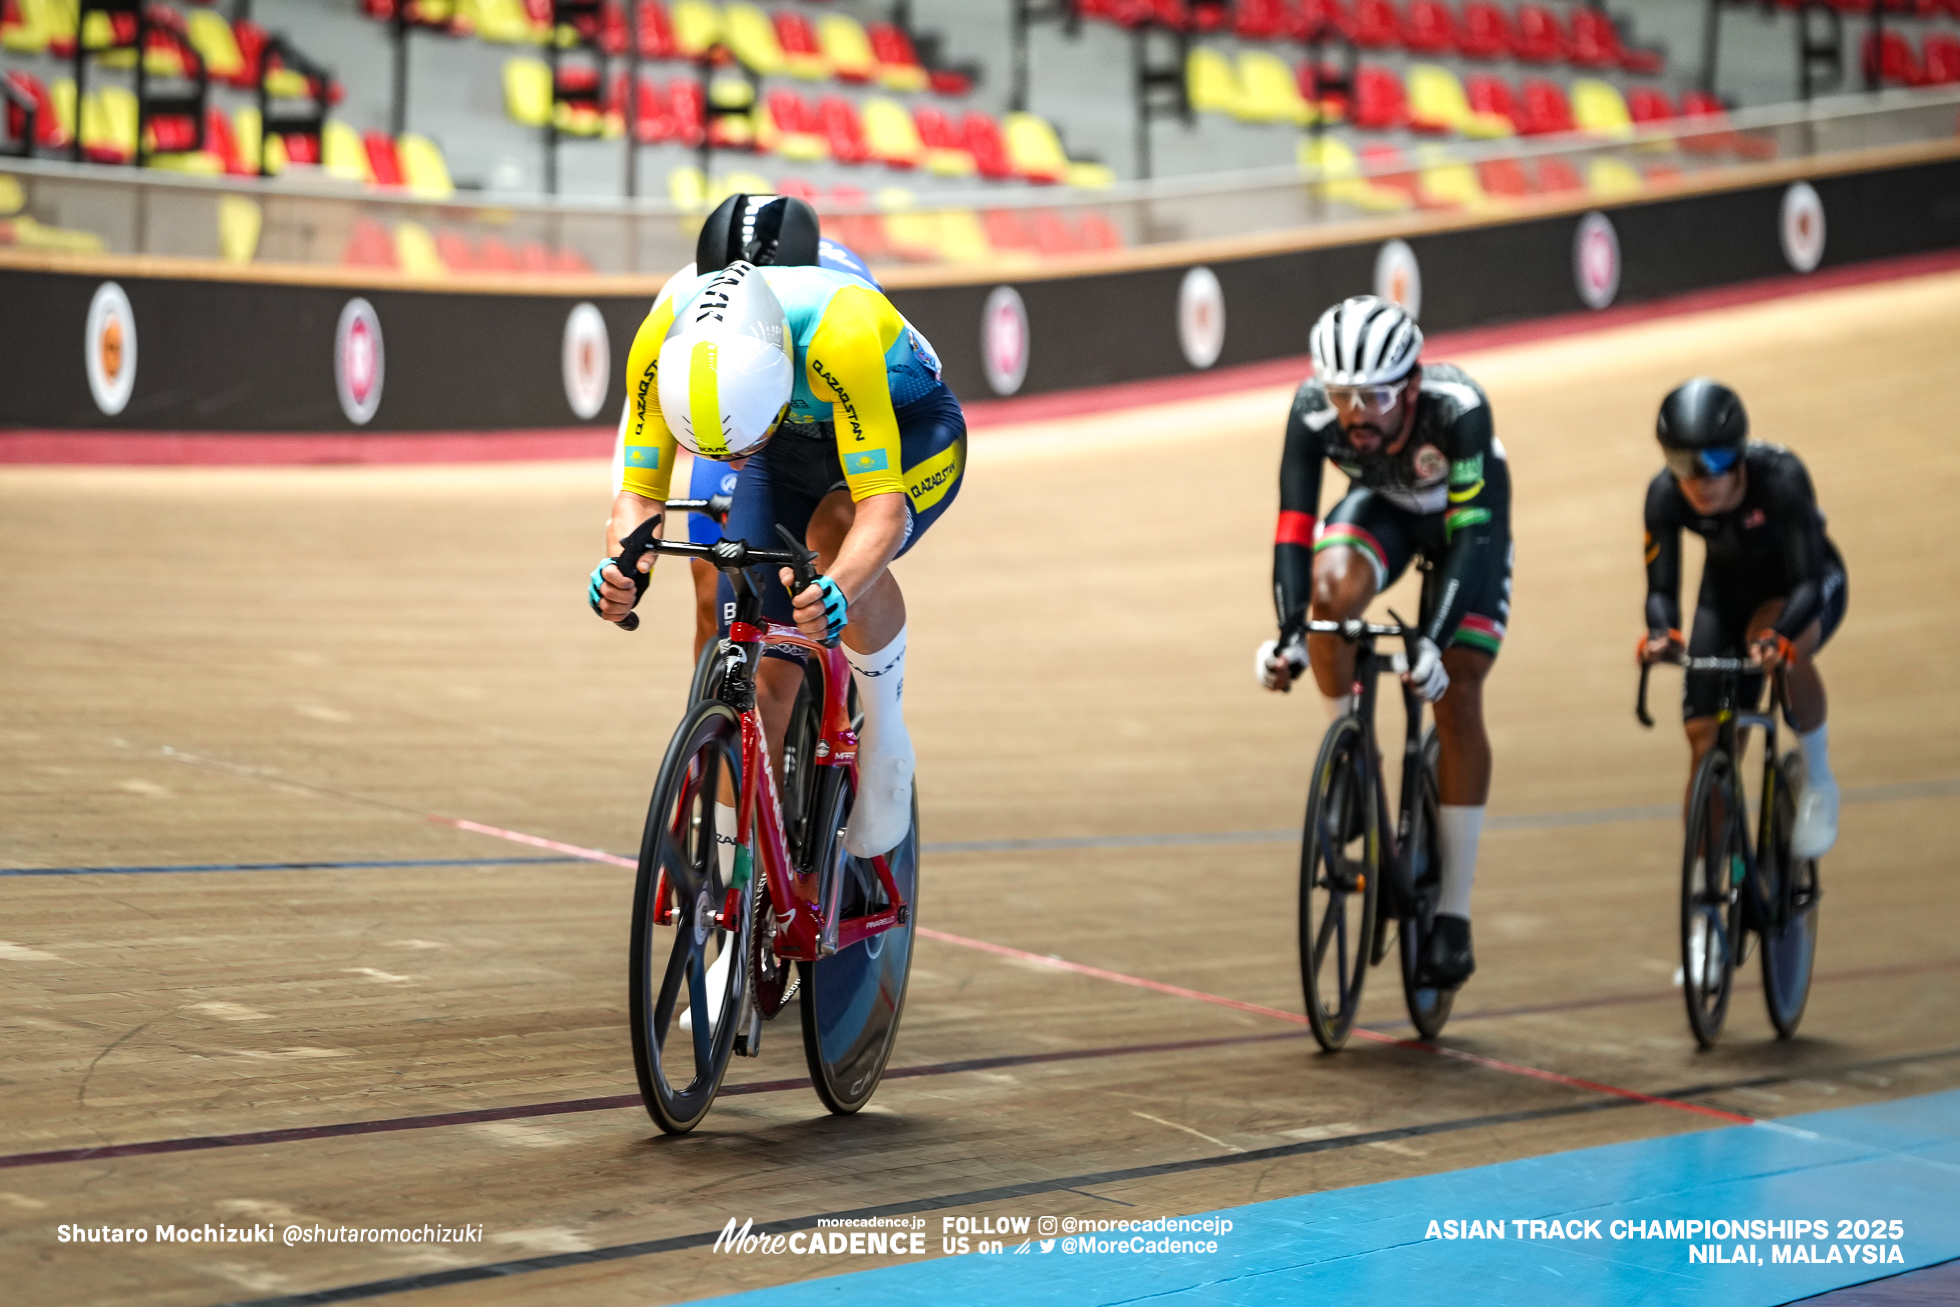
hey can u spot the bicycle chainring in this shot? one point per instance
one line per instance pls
(771, 980)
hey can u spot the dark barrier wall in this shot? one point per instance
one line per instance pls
(254, 356)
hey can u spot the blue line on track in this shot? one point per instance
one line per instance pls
(278, 866)
(1896, 1160)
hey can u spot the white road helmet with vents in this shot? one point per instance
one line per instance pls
(726, 367)
(1364, 341)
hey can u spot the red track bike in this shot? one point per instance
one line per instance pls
(730, 924)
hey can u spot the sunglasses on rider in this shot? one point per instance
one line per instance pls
(1694, 464)
(1375, 400)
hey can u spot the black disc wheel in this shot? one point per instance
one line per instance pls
(1789, 907)
(1340, 881)
(852, 999)
(689, 971)
(1712, 869)
(1429, 1005)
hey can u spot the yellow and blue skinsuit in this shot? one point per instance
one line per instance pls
(857, 364)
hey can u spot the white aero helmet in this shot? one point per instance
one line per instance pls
(1364, 341)
(726, 369)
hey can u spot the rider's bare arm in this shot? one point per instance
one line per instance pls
(877, 531)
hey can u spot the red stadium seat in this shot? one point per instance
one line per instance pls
(1380, 104)
(456, 254)
(1546, 110)
(1485, 32)
(1051, 234)
(1097, 232)
(1493, 95)
(689, 110)
(1428, 29)
(221, 140)
(1898, 65)
(1376, 25)
(1007, 229)
(1596, 44)
(1320, 19)
(1504, 178)
(898, 62)
(1262, 20)
(843, 130)
(1648, 105)
(987, 145)
(655, 31)
(1539, 39)
(653, 114)
(369, 246)
(863, 232)
(1709, 113)
(383, 162)
(1388, 168)
(48, 131)
(251, 40)
(1557, 176)
(1942, 52)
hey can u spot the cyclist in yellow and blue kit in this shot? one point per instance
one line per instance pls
(853, 442)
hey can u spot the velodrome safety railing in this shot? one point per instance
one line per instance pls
(313, 220)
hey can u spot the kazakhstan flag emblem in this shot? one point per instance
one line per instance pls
(865, 460)
(643, 456)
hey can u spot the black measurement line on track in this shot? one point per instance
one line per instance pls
(1057, 844)
(605, 1103)
(1033, 1188)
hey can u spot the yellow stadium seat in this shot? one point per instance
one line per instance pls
(415, 251)
(1613, 179)
(240, 221)
(961, 237)
(423, 168)
(1034, 149)
(752, 36)
(1209, 81)
(212, 39)
(687, 188)
(505, 22)
(1340, 176)
(527, 91)
(62, 94)
(1448, 182)
(245, 127)
(847, 47)
(41, 21)
(1091, 176)
(1437, 103)
(341, 153)
(196, 163)
(109, 120)
(697, 26)
(1598, 107)
(737, 183)
(1268, 91)
(890, 133)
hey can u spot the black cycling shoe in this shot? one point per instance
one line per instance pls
(1447, 959)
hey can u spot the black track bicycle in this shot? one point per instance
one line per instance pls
(1732, 886)
(1357, 874)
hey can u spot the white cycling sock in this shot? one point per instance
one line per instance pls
(1458, 829)
(883, 810)
(1816, 756)
(1337, 707)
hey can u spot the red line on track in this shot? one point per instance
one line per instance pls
(1219, 1000)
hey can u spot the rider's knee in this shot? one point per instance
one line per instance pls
(1343, 584)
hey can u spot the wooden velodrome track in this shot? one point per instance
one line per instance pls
(227, 667)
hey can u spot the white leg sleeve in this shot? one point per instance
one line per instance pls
(1458, 829)
(1338, 707)
(883, 811)
(1816, 755)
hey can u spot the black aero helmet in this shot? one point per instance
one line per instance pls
(1702, 427)
(760, 229)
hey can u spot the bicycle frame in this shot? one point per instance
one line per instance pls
(804, 929)
(1368, 668)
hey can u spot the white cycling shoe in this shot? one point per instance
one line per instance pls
(717, 987)
(1815, 829)
(882, 812)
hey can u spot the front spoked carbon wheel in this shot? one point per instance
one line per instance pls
(689, 974)
(1712, 866)
(1340, 881)
(1789, 907)
(1429, 1006)
(852, 1000)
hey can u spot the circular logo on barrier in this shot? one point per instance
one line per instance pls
(1004, 340)
(1398, 278)
(1803, 227)
(1201, 318)
(587, 361)
(358, 361)
(1596, 260)
(109, 348)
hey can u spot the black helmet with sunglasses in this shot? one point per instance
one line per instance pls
(1702, 428)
